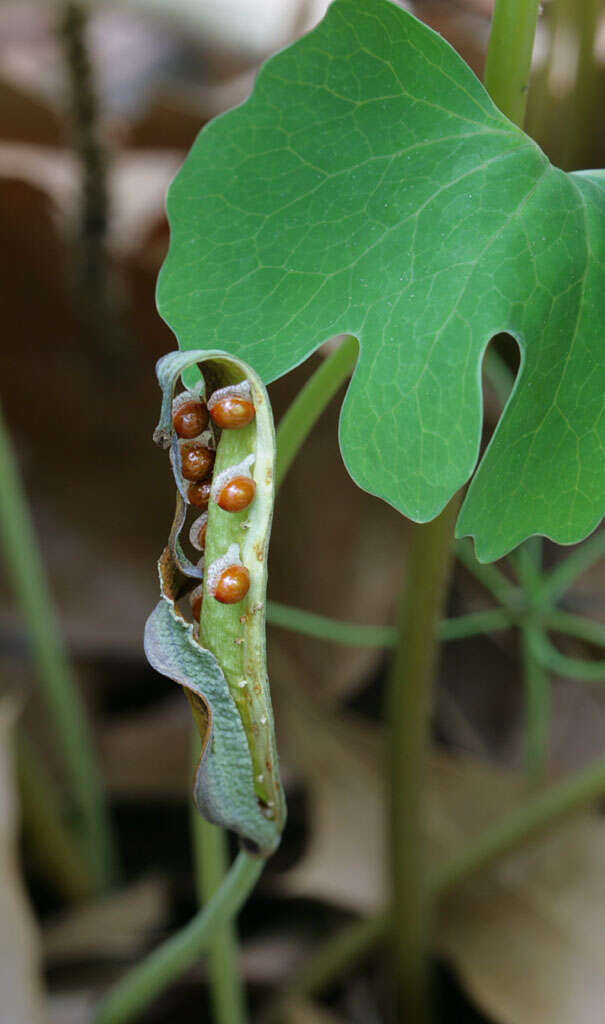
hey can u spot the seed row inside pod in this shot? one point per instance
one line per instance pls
(233, 489)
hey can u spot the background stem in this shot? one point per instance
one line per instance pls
(352, 634)
(507, 76)
(531, 820)
(49, 843)
(72, 732)
(508, 63)
(297, 423)
(141, 986)
(211, 864)
(410, 683)
(95, 288)
(536, 677)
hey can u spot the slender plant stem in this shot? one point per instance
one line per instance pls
(508, 64)
(312, 399)
(547, 654)
(531, 821)
(58, 684)
(489, 576)
(537, 681)
(583, 114)
(557, 582)
(576, 625)
(211, 864)
(49, 843)
(410, 683)
(339, 952)
(537, 706)
(350, 634)
(95, 287)
(140, 987)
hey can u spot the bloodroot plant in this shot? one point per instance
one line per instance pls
(372, 187)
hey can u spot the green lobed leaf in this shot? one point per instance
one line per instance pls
(370, 186)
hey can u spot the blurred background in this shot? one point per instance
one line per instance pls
(99, 104)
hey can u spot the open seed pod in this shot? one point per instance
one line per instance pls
(223, 671)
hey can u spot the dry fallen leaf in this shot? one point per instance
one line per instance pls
(526, 936)
(22, 999)
(118, 927)
(73, 1007)
(147, 754)
(306, 1012)
(344, 859)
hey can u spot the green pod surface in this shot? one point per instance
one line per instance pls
(222, 664)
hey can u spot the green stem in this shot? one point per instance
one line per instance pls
(534, 819)
(59, 686)
(557, 582)
(537, 706)
(583, 117)
(537, 682)
(530, 821)
(350, 634)
(508, 64)
(410, 683)
(140, 987)
(547, 654)
(49, 843)
(489, 576)
(96, 290)
(339, 952)
(211, 865)
(576, 625)
(296, 425)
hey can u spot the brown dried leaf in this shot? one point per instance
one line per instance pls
(116, 927)
(148, 754)
(527, 937)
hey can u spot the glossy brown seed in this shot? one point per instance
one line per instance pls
(190, 418)
(236, 494)
(195, 600)
(232, 585)
(197, 461)
(198, 494)
(232, 412)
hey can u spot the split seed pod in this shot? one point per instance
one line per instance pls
(221, 663)
(232, 407)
